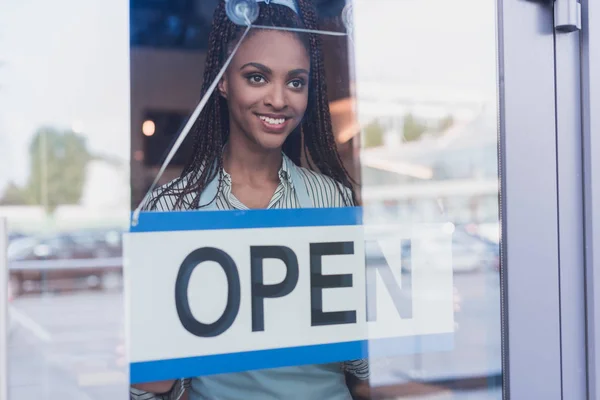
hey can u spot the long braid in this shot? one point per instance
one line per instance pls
(211, 129)
(321, 143)
(207, 129)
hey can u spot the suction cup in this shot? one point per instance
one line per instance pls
(242, 12)
(348, 17)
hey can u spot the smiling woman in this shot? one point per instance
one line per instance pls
(270, 107)
(272, 102)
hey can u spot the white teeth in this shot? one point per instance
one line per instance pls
(273, 121)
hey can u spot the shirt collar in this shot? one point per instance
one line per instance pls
(285, 170)
(284, 173)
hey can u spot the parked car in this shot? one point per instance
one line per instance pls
(83, 244)
(66, 261)
(107, 242)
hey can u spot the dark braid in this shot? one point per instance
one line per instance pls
(211, 129)
(323, 150)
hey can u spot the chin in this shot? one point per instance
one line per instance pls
(270, 141)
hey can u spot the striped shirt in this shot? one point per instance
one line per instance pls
(324, 193)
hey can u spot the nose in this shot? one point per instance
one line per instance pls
(276, 97)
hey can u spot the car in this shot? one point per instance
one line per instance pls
(84, 259)
(81, 244)
(107, 242)
(55, 247)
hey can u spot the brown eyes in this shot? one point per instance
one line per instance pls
(258, 79)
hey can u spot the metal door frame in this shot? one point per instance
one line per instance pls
(550, 171)
(590, 76)
(529, 202)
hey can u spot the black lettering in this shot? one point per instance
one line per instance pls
(260, 291)
(193, 260)
(318, 282)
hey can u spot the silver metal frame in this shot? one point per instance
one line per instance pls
(590, 76)
(529, 202)
(3, 310)
(570, 214)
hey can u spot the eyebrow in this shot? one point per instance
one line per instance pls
(298, 72)
(259, 66)
(268, 70)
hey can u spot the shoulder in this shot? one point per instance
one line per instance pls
(325, 191)
(164, 198)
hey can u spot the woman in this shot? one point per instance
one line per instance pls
(270, 103)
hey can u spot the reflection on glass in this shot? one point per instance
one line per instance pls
(426, 91)
(64, 188)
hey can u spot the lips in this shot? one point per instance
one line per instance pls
(274, 123)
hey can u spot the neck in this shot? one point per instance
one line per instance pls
(246, 161)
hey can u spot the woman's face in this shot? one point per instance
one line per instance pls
(266, 87)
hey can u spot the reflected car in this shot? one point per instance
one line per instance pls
(107, 242)
(67, 246)
(59, 247)
(66, 261)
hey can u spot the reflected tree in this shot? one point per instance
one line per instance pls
(446, 123)
(58, 161)
(373, 135)
(413, 128)
(13, 195)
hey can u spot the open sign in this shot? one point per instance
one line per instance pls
(225, 291)
(261, 291)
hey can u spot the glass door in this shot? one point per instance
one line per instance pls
(427, 95)
(442, 113)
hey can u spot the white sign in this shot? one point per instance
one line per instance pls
(224, 291)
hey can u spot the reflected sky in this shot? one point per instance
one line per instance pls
(427, 43)
(66, 65)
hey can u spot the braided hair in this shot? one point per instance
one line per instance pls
(211, 130)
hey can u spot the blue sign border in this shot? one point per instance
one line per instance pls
(159, 221)
(158, 370)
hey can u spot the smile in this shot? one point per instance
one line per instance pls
(272, 121)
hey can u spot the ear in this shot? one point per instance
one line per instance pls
(222, 87)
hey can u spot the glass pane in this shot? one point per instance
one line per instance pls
(412, 106)
(409, 109)
(426, 90)
(64, 187)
